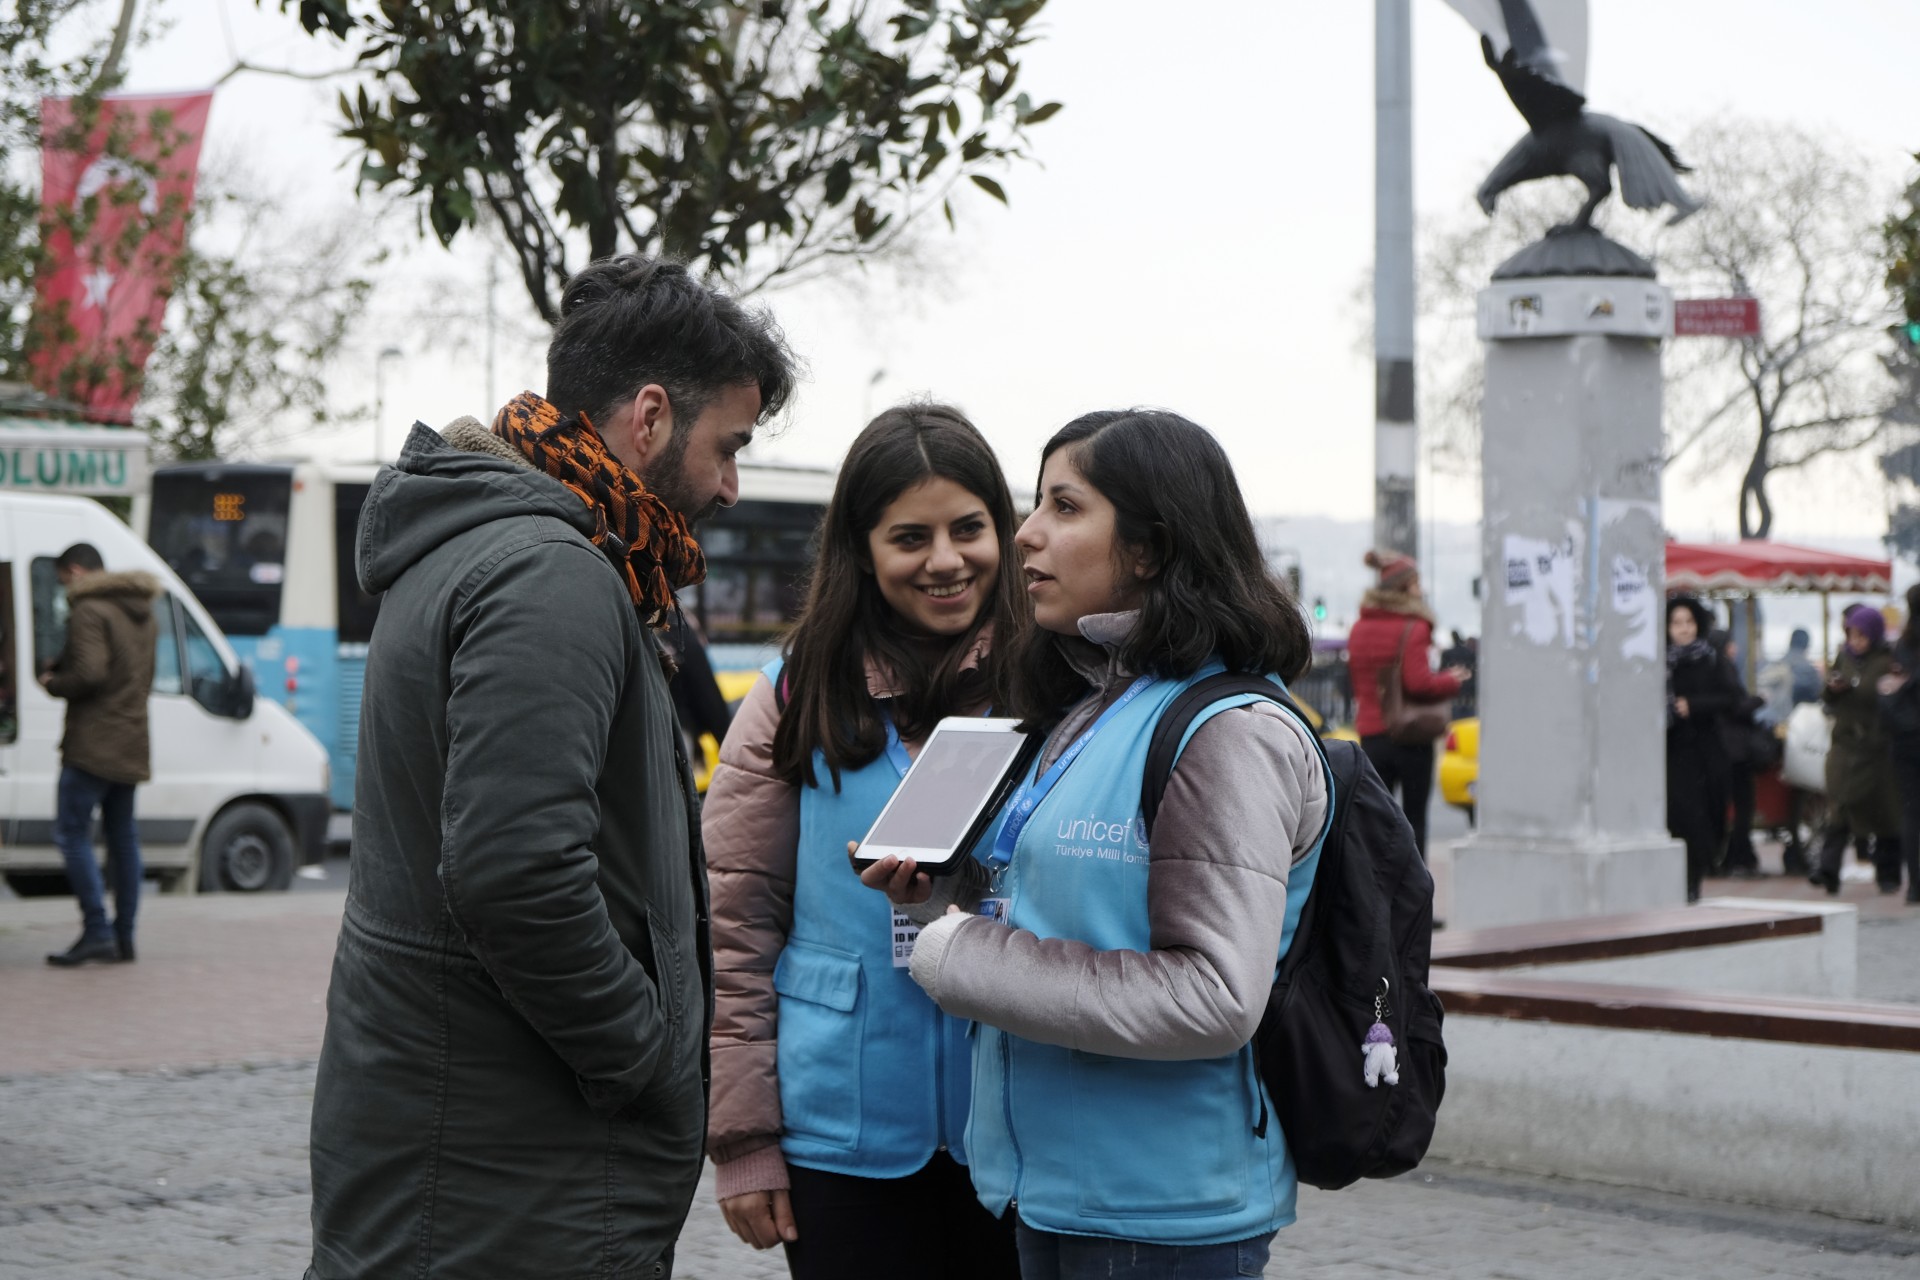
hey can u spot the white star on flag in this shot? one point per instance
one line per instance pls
(98, 282)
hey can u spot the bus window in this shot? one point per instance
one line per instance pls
(758, 554)
(224, 531)
(166, 648)
(49, 614)
(9, 666)
(206, 674)
(357, 608)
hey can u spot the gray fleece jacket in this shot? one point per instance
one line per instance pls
(1246, 800)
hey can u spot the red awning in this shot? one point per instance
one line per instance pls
(1772, 566)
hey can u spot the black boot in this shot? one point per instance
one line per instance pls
(104, 949)
(125, 942)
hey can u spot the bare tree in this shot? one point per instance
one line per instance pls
(1790, 219)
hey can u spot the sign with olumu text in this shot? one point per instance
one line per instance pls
(45, 457)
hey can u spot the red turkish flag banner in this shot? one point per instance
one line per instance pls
(116, 187)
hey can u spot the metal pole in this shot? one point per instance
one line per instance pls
(1396, 448)
(379, 401)
(493, 268)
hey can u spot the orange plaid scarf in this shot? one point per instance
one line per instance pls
(648, 541)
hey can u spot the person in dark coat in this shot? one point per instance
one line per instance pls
(1746, 743)
(104, 673)
(1899, 692)
(1861, 794)
(1698, 698)
(513, 1080)
(698, 703)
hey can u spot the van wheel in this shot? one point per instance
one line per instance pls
(248, 849)
(39, 884)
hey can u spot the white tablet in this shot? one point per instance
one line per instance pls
(963, 776)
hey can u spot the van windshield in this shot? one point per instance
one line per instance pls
(223, 529)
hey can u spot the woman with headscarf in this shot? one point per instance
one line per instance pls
(1698, 697)
(1860, 789)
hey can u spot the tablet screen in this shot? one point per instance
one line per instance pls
(953, 777)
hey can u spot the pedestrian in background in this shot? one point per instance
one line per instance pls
(105, 674)
(1861, 795)
(1116, 1106)
(1751, 749)
(1699, 697)
(1790, 680)
(1900, 711)
(512, 1084)
(916, 575)
(1392, 642)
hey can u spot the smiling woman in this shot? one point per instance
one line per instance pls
(914, 580)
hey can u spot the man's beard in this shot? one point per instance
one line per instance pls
(666, 479)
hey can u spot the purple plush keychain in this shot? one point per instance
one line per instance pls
(1382, 1060)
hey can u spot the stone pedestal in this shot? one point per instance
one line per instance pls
(1571, 795)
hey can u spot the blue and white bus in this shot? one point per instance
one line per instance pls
(268, 550)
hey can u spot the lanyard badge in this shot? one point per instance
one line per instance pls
(1031, 793)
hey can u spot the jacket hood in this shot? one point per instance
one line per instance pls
(134, 590)
(136, 584)
(444, 486)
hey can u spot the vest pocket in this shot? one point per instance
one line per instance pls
(821, 1028)
(1160, 1139)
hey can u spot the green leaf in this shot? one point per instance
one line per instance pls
(989, 186)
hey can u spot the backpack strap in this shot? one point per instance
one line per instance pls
(776, 675)
(1171, 730)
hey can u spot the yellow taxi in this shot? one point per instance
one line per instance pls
(1460, 764)
(733, 687)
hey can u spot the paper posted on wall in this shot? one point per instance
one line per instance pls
(1540, 583)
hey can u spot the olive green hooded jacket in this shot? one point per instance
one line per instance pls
(513, 1077)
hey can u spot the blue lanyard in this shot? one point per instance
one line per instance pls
(1028, 798)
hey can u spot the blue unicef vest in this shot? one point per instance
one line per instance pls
(873, 1077)
(1088, 1144)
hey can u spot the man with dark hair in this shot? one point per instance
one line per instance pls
(105, 673)
(513, 1082)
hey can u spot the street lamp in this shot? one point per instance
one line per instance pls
(380, 394)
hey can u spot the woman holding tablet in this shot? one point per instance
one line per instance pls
(1116, 1102)
(839, 1090)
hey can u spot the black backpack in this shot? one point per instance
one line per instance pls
(1368, 921)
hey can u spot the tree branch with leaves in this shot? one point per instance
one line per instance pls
(762, 141)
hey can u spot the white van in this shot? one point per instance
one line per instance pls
(238, 799)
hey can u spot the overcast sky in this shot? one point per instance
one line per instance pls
(1196, 235)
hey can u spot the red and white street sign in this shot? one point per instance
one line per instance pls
(1716, 317)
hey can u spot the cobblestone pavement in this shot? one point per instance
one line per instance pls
(153, 1123)
(131, 1175)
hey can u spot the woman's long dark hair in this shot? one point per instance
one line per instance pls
(1175, 497)
(846, 622)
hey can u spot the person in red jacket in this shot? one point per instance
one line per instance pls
(1396, 626)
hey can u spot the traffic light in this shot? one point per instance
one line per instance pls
(1319, 609)
(1909, 335)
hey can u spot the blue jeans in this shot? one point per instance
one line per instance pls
(81, 793)
(1047, 1256)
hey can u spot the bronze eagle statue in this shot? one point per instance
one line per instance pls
(1564, 138)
